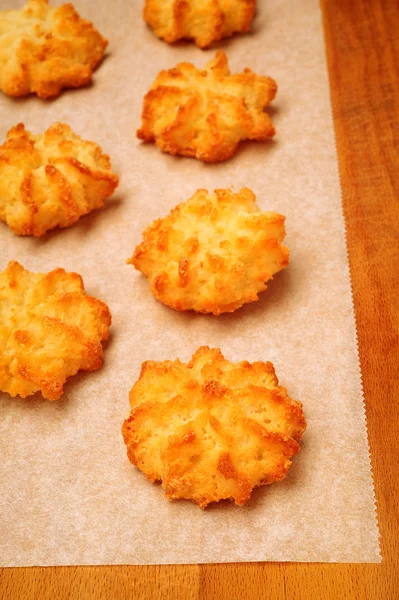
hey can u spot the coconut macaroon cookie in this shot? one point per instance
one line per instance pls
(52, 179)
(203, 21)
(212, 253)
(44, 49)
(206, 113)
(49, 330)
(211, 430)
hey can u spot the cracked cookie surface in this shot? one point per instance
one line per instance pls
(211, 430)
(213, 253)
(203, 21)
(44, 49)
(205, 114)
(50, 329)
(51, 179)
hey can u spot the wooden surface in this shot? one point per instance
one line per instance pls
(362, 40)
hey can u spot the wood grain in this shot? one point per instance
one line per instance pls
(362, 43)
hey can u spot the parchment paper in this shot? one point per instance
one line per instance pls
(68, 493)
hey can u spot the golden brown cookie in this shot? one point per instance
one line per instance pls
(50, 180)
(212, 253)
(49, 330)
(211, 429)
(207, 113)
(204, 21)
(44, 49)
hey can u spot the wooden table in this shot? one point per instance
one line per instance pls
(362, 41)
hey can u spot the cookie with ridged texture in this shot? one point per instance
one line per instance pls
(212, 253)
(44, 49)
(211, 430)
(52, 179)
(203, 21)
(206, 113)
(49, 330)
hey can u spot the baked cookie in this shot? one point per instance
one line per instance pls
(211, 429)
(206, 113)
(44, 49)
(203, 21)
(212, 253)
(49, 330)
(50, 180)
